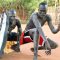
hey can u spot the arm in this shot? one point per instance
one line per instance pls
(19, 30)
(52, 28)
(38, 26)
(16, 47)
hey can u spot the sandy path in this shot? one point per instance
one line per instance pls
(26, 54)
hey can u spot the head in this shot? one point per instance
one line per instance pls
(12, 13)
(42, 8)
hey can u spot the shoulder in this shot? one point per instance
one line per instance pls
(33, 15)
(17, 18)
(18, 23)
(48, 17)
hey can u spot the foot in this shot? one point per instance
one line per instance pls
(47, 48)
(53, 44)
(15, 48)
(48, 52)
(39, 48)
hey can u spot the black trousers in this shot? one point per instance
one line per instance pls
(12, 36)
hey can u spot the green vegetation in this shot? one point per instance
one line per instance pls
(25, 7)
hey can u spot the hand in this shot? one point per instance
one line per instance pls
(48, 48)
(48, 52)
(15, 47)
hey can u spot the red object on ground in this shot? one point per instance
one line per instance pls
(41, 41)
(27, 39)
(21, 38)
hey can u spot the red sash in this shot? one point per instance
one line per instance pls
(24, 39)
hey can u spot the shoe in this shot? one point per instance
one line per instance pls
(39, 48)
(15, 48)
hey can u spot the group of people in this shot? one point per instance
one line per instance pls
(33, 28)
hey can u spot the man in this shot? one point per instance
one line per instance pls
(12, 36)
(37, 20)
(10, 22)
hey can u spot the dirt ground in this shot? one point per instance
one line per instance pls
(26, 53)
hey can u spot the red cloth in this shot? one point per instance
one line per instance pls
(21, 38)
(24, 40)
(41, 40)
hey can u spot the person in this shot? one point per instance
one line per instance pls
(11, 23)
(13, 36)
(34, 27)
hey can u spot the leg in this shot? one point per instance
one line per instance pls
(13, 37)
(46, 43)
(35, 39)
(18, 43)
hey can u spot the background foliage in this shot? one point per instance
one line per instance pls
(24, 8)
